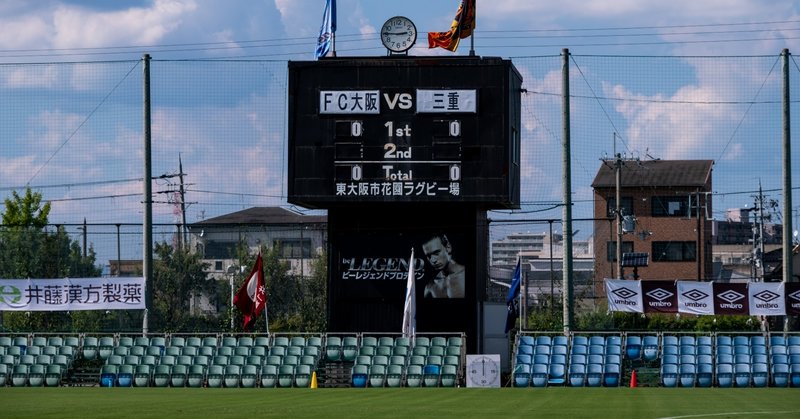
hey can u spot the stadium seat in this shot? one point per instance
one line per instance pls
(269, 376)
(780, 375)
(232, 342)
(142, 375)
(359, 375)
(400, 351)
(705, 375)
(244, 341)
(650, 348)
(377, 375)
(522, 375)
(179, 374)
(760, 374)
(125, 375)
(249, 376)
(232, 375)
(431, 374)
(527, 340)
(210, 341)
(333, 348)
(633, 347)
(687, 374)
(349, 348)
(557, 374)
(302, 376)
(369, 341)
(244, 351)
(108, 375)
(286, 375)
(777, 340)
(215, 376)
(414, 376)
(669, 375)
(195, 375)
(539, 375)
(577, 375)
(594, 375)
(161, 375)
(580, 340)
(438, 341)
(36, 375)
(794, 375)
(742, 374)
(53, 375)
(394, 375)
(449, 375)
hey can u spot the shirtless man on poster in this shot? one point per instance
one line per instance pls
(449, 279)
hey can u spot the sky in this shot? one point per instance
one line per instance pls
(665, 79)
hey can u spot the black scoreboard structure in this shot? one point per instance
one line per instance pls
(405, 152)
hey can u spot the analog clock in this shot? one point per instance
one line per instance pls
(398, 34)
(483, 371)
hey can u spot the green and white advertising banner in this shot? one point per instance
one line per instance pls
(72, 294)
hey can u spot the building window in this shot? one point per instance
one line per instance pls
(672, 206)
(626, 206)
(674, 251)
(611, 256)
(293, 248)
(218, 265)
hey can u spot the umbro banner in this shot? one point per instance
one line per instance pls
(696, 297)
(731, 299)
(703, 298)
(792, 290)
(766, 299)
(625, 296)
(659, 297)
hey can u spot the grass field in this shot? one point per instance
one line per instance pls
(67, 402)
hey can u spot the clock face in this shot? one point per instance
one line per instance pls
(483, 371)
(398, 34)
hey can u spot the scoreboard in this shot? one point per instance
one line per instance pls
(404, 129)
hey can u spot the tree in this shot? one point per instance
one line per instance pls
(178, 275)
(29, 250)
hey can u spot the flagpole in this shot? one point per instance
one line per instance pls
(472, 35)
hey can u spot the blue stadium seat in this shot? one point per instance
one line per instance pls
(594, 375)
(430, 375)
(557, 374)
(577, 375)
(760, 375)
(669, 375)
(794, 375)
(705, 375)
(742, 374)
(108, 375)
(522, 375)
(539, 375)
(633, 347)
(780, 375)
(687, 374)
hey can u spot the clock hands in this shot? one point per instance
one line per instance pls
(396, 33)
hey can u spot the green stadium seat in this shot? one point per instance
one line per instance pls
(386, 341)
(363, 360)
(402, 341)
(394, 375)
(105, 347)
(254, 360)
(158, 341)
(312, 351)
(262, 341)
(249, 376)
(367, 351)
(302, 376)
(121, 350)
(142, 374)
(455, 341)
(233, 373)
(173, 350)
(6, 341)
(189, 350)
(178, 375)
(242, 351)
(286, 375)
(36, 375)
(178, 341)
(449, 375)
(269, 376)
(184, 360)
(383, 350)
(280, 341)
(38, 341)
(4, 368)
(314, 341)
(73, 341)
(420, 351)
(219, 360)
(196, 375)
(55, 341)
(273, 360)
(44, 359)
(61, 360)
(400, 351)
(349, 348)
(236, 360)
(141, 341)
(34, 350)
(414, 376)
(451, 360)
(138, 350)
(194, 341)
(294, 350)
(229, 341)
(244, 341)
(453, 351)
(19, 375)
(21, 341)
(131, 360)
(290, 360)
(438, 341)
(201, 360)
(155, 351)
(297, 341)
(225, 350)
(258, 351)
(125, 375)
(126, 341)
(148, 360)
(307, 360)
(161, 375)
(114, 360)
(208, 351)
(377, 375)
(369, 341)
(52, 375)
(167, 360)
(210, 341)
(215, 376)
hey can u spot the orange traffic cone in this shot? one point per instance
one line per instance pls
(314, 379)
(633, 379)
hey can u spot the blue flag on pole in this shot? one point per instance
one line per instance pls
(327, 30)
(512, 299)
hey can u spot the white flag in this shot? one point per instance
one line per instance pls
(625, 296)
(410, 308)
(696, 297)
(766, 299)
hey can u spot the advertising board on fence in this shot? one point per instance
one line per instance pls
(72, 294)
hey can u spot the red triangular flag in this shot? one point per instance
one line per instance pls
(252, 297)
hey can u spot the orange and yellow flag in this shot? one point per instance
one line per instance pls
(462, 27)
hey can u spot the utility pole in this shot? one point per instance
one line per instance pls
(566, 168)
(182, 191)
